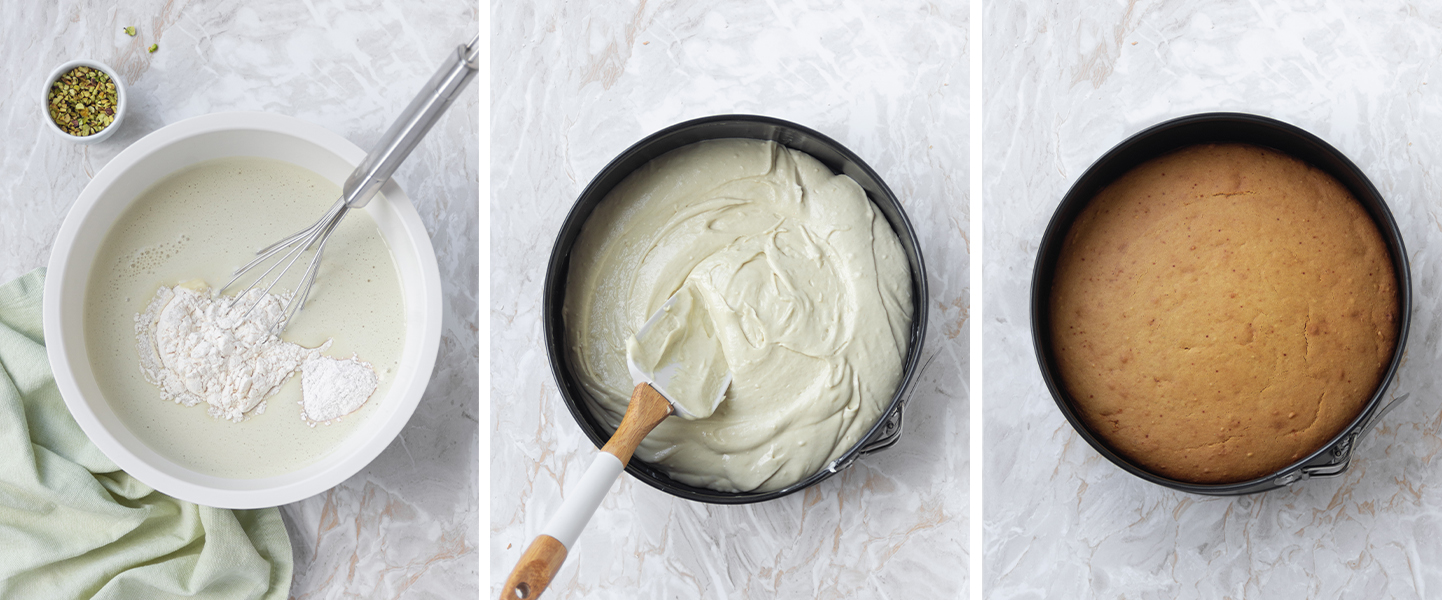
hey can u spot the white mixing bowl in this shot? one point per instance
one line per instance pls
(153, 158)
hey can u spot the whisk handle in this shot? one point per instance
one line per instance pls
(406, 132)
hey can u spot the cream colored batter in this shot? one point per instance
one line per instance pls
(201, 223)
(805, 284)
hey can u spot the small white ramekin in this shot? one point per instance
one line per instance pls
(120, 102)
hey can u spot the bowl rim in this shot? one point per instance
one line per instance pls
(1332, 457)
(121, 102)
(881, 435)
(334, 468)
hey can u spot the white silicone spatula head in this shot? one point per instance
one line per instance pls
(678, 352)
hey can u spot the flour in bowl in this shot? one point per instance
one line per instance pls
(331, 388)
(198, 347)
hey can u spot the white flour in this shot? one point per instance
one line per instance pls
(331, 388)
(196, 349)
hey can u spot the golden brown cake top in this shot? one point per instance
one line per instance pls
(1222, 311)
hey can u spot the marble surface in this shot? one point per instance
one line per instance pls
(573, 85)
(1064, 83)
(407, 525)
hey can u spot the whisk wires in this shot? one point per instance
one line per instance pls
(294, 247)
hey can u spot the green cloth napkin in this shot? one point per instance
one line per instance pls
(73, 525)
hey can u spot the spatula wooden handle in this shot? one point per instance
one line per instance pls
(535, 569)
(544, 556)
(645, 411)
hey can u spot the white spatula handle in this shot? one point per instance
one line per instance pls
(544, 556)
(580, 504)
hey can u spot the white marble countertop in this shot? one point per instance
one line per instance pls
(1066, 82)
(407, 525)
(574, 84)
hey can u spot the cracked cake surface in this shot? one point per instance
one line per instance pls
(1222, 311)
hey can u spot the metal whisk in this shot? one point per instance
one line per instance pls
(397, 143)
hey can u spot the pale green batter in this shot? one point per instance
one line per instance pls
(201, 223)
(806, 285)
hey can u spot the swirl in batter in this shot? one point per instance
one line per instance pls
(806, 286)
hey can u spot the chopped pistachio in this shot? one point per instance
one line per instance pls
(130, 31)
(153, 48)
(82, 101)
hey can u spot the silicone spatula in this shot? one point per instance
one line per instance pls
(676, 332)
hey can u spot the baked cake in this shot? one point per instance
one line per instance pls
(1222, 311)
